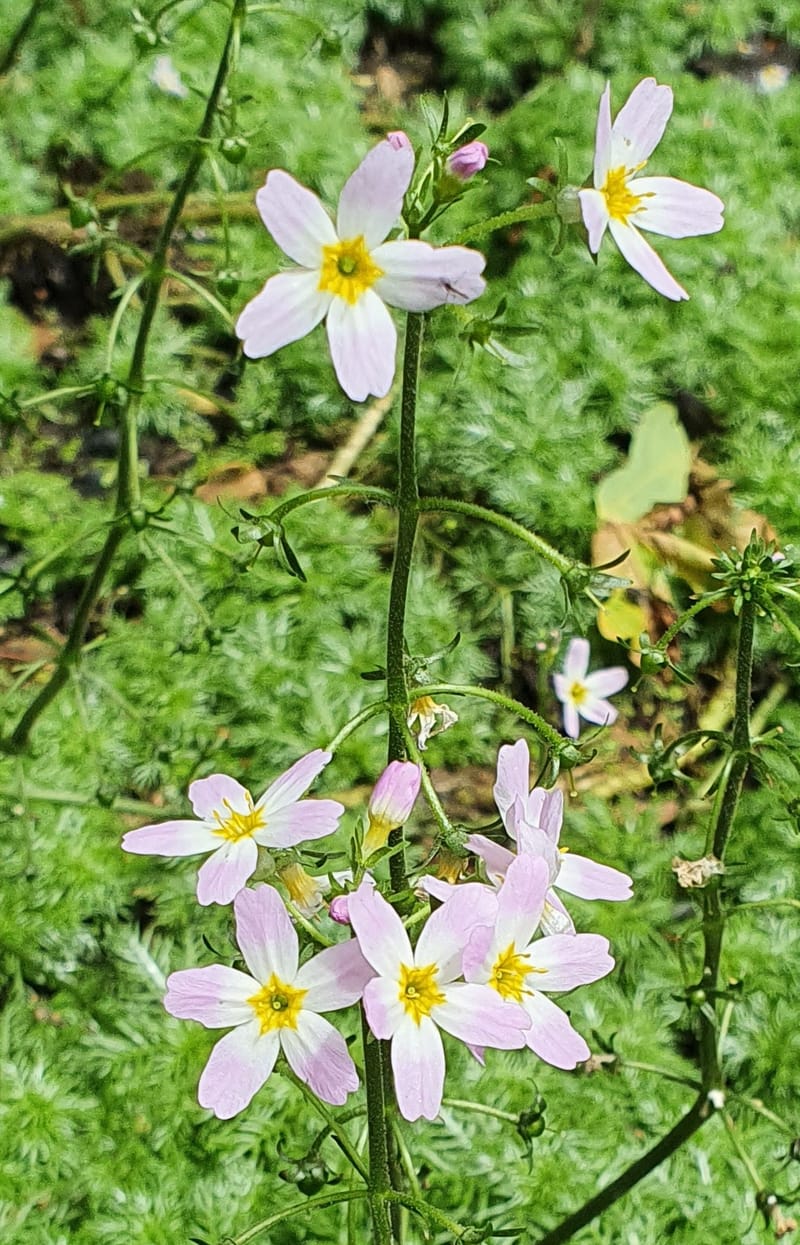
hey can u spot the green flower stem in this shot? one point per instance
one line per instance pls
(203, 292)
(127, 498)
(428, 789)
(355, 722)
(128, 293)
(429, 1213)
(549, 737)
(41, 399)
(664, 1073)
(686, 1127)
(510, 526)
(19, 36)
(528, 211)
(682, 619)
(747, 1162)
(463, 1104)
(332, 1125)
(786, 622)
(326, 493)
(378, 1181)
(297, 1211)
(87, 800)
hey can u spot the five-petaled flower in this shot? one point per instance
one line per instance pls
(233, 827)
(391, 803)
(624, 203)
(274, 1008)
(522, 971)
(416, 992)
(348, 273)
(583, 695)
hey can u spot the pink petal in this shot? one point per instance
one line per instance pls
(216, 996)
(641, 256)
(576, 662)
(379, 930)
(224, 874)
(318, 1054)
(372, 198)
(495, 857)
(589, 880)
(479, 955)
(555, 918)
(437, 887)
(607, 682)
(599, 712)
(640, 124)
(265, 934)
(419, 277)
(335, 978)
(595, 216)
(570, 960)
(237, 1067)
(294, 782)
(296, 219)
(520, 901)
(299, 823)
(513, 775)
(545, 809)
(385, 1013)
(602, 141)
(208, 796)
(363, 341)
(551, 1034)
(447, 930)
(677, 209)
(418, 1066)
(171, 838)
(533, 842)
(476, 1014)
(395, 792)
(289, 306)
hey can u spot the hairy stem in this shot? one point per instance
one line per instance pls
(379, 1182)
(510, 526)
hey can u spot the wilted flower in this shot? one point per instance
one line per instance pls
(584, 694)
(165, 76)
(416, 990)
(468, 160)
(391, 803)
(276, 1009)
(348, 273)
(306, 892)
(522, 971)
(425, 711)
(232, 826)
(624, 203)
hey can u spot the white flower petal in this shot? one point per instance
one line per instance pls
(641, 256)
(599, 712)
(265, 934)
(640, 124)
(606, 682)
(318, 1054)
(237, 1067)
(372, 198)
(513, 775)
(602, 139)
(418, 1067)
(576, 662)
(572, 726)
(363, 341)
(419, 277)
(296, 219)
(289, 306)
(677, 209)
(595, 216)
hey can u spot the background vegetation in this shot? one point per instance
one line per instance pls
(201, 659)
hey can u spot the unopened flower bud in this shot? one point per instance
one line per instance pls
(568, 205)
(339, 911)
(391, 803)
(234, 148)
(468, 160)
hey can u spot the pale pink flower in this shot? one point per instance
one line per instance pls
(533, 821)
(415, 992)
(233, 827)
(468, 160)
(274, 1009)
(625, 203)
(391, 803)
(525, 971)
(348, 272)
(584, 695)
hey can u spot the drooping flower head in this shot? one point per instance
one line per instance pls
(521, 970)
(274, 1008)
(415, 992)
(348, 273)
(391, 803)
(583, 695)
(624, 203)
(232, 826)
(432, 719)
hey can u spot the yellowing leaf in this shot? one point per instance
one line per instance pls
(657, 469)
(622, 618)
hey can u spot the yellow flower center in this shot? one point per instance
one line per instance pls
(419, 992)
(240, 825)
(619, 201)
(509, 972)
(277, 1005)
(348, 269)
(578, 692)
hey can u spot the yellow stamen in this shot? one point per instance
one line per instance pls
(277, 1005)
(348, 269)
(240, 825)
(620, 202)
(419, 992)
(509, 972)
(578, 692)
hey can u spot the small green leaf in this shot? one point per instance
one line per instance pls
(657, 469)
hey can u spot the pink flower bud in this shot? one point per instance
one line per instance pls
(391, 802)
(338, 910)
(398, 139)
(468, 160)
